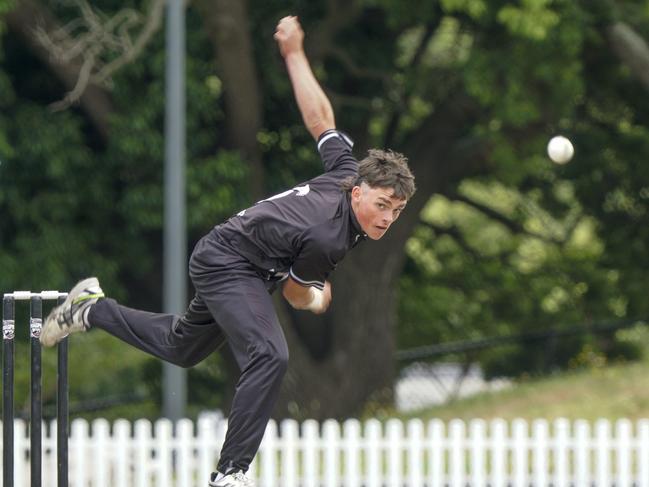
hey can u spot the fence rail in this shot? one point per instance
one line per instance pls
(354, 454)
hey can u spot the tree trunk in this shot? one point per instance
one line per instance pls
(228, 27)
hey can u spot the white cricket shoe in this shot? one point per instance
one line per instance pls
(234, 479)
(72, 315)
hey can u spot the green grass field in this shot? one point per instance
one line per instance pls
(615, 391)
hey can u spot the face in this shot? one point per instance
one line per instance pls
(375, 209)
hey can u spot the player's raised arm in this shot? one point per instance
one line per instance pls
(314, 105)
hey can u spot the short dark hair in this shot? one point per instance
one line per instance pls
(384, 169)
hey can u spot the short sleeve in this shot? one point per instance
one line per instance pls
(312, 266)
(335, 148)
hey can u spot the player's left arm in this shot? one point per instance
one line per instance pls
(307, 297)
(314, 105)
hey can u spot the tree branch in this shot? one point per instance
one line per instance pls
(93, 38)
(455, 234)
(24, 20)
(512, 225)
(632, 50)
(393, 124)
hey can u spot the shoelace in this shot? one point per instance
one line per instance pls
(243, 479)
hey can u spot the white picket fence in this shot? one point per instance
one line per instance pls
(354, 454)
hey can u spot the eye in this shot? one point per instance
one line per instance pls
(381, 206)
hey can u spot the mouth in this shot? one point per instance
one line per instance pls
(383, 229)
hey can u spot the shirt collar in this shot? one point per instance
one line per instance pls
(357, 234)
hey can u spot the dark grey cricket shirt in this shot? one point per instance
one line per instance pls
(305, 231)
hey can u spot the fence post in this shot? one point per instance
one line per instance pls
(185, 440)
(520, 451)
(415, 453)
(311, 447)
(561, 431)
(437, 444)
(123, 452)
(477, 438)
(79, 448)
(602, 452)
(498, 451)
(540, 460)
(456, 453)
(582, 453)
(142, 453)
(163, 435)
(331, 437)
(206, 431)
(101, 453)
(269, 472)
(352, 450)
(289, 434)
(623, 449)
(21, 447)
(373, 441)
(394, 434)
(643, 452)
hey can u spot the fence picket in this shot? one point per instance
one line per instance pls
(78, 444)
(456, 453)
(540, 454)
(436, 445)
(100, 456)
(185, 467)
(352, 451)
(498, 451)
(268, 453)
(520, 453)
(310, 453)
(351, 454)
(478, 434)
(331, 437)
(582, 453)
(623, 452)
(122, 436)
(143, 453)
(602, 452)
(560, 456)
(205, 431)
(415, 452)
(643, 453)
(373, 434)
(289, 435)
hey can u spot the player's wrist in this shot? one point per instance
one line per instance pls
(317, 303)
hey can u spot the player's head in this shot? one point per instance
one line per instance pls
(381, 191)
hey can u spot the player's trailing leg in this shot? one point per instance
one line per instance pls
(72, 315)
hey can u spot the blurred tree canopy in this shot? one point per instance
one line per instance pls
(497, 240)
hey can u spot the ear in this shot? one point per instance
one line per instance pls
(356, 193)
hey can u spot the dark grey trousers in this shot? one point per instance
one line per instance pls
(231, 304)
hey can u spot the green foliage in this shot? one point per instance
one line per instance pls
(524, 246)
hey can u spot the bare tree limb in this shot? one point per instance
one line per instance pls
(102, 45)
(553, 236)
(24, 20)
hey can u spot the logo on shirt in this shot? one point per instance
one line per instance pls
(299, 191)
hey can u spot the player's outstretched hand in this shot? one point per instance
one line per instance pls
(289, 35)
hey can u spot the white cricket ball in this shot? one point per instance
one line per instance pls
(560, 149)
